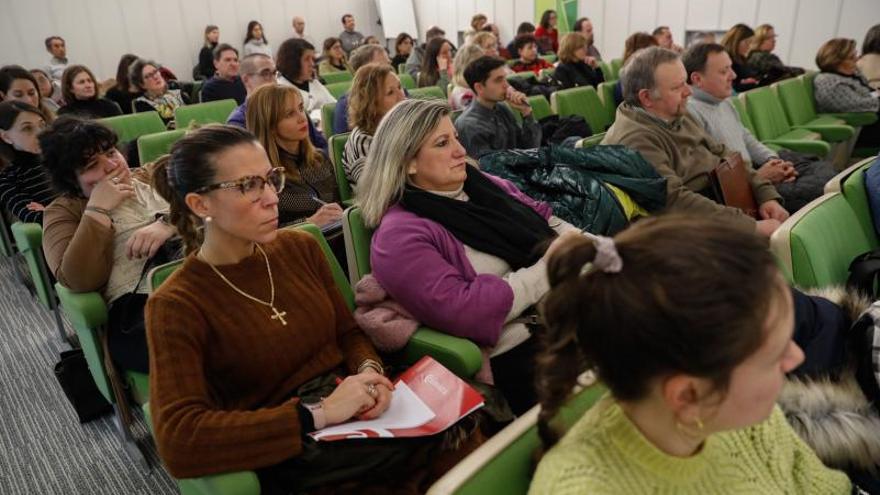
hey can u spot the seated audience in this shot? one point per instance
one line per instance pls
(526, 49)
(487, 42)
(736, 43)
(350, 38)
(276, 116)
(841, 88)
(573, 70)
(57, 47)
(691, 402)
(226, 83)
(663, 35)
(414, 62)
(363, 55)
(585, 26)
(372, 40)
(478, 21)
(461, 95)
(499, 48)
(240, 390)
(525, 28)
(24, 187)
(296, 63)
(436, 64)
(403, 46)
(460, 250)
(156, 95)
(255, 41)
(123, 93)
(546, 35)
(767, 67)
(374, 92)
(105, 230)
(869, 62)
(17, 84)
(51, 93)
(80, 92)
(205, 69)
(797, 178)
(653, 120)
(333, 58)
(486, 126)
(633, 43)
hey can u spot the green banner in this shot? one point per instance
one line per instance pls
(566, 12)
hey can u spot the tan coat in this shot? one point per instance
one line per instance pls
(684, 154)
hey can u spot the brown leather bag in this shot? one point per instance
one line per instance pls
(730, 183)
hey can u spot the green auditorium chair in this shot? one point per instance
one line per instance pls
(338, 89)
(816, 245)
(772, 126)
(606, 96)
(522, 75)
(616, 66)
(460, 355)
(504, 464)
(550, 58)
(328, 110)
(401, 68)
(29, 241)
(195, 95)
(427, 93)
(540, 107)
(335, 77)
(212, 112)
(336, 145)
(583, 101)
(607, 71)
(801, 112)
(852, 186)
(130, 127)
(547, 73)
(851, 118)
(589, 142)
(406, 81)
(152, 146)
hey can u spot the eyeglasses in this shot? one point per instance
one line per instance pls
(265, 74)
(251, 187)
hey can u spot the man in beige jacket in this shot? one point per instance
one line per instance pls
(653, 119)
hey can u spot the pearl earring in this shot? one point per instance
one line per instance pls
(208, 219)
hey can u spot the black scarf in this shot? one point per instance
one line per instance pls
(490, 221)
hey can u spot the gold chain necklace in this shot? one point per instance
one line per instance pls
(277, 315)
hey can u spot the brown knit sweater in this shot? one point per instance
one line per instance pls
(223, 374)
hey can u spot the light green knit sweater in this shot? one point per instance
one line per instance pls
(604, 453)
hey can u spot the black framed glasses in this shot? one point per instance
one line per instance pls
(251, 186)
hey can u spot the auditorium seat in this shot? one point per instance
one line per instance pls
(583, 101)
(336, 77)
(801, 112)
(130, 127)
(212, 112)
(407, 81)
(152, 146)
(29, 242)
(427, 93)
(336, 145)
(772, 126)
(328, 111)
(338, 89)
(606, 96)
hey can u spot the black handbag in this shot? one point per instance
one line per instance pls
(72, 372)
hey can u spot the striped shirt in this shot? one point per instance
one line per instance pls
(24, 181)
(355, 154)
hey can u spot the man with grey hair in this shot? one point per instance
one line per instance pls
(653, 120)
(361, 56)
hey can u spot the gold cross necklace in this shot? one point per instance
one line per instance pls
(277, 315)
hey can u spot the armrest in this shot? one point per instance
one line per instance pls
(85, 309)
(856, 118)
(461, 356)
(28, 236)
(234, 483)
(820, 148)
(833, 133)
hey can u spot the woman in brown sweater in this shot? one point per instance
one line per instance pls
(248, 336)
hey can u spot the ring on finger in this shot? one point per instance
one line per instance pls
(371, 389)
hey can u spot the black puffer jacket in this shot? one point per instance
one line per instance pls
(573, 182)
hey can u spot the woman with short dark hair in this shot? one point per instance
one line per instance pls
(403, 46)
(123, 93)
(296, 63)
(145, 76)
(24, 187)
(80, 90)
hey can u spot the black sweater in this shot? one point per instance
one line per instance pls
(24, 181)
(98, 108)
(575, 74)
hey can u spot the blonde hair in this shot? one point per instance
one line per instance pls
(363, 99)
(266, 107)
(395, 144)
(467, 54)
(762, 34)
(833, 53)
(475, 20)
(570, 43)
(480, 38)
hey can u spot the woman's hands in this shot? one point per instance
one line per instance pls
(365, 395)
(326, 214)
(147, 240)
(112, 190)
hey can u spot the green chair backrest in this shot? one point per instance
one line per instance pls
(336, 146)
(160, 274)
(545, 73)
(328, 111)
(540, 106)
(152, 146)
(86, 311)
(590, 141)
(212, 112)
(401, 68)
(335, 77)
(766, 112)
(743, 115)
(338, 89)
(522, 75)
(616, 65)
(606, 96)
(338, 275)
(808, 79)
(357, 244)
(853, 189)
(427, 93)
(583, 101)
(550, 58)
(607, 71)
(29, 241)
(798, 106)
(824, 243)
(407, 81)
(195, 94)
(508, 469)
(130, 127)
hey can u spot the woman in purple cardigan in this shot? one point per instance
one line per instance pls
(461, 250)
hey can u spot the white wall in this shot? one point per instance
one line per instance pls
(98, 32)
(802, 25)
